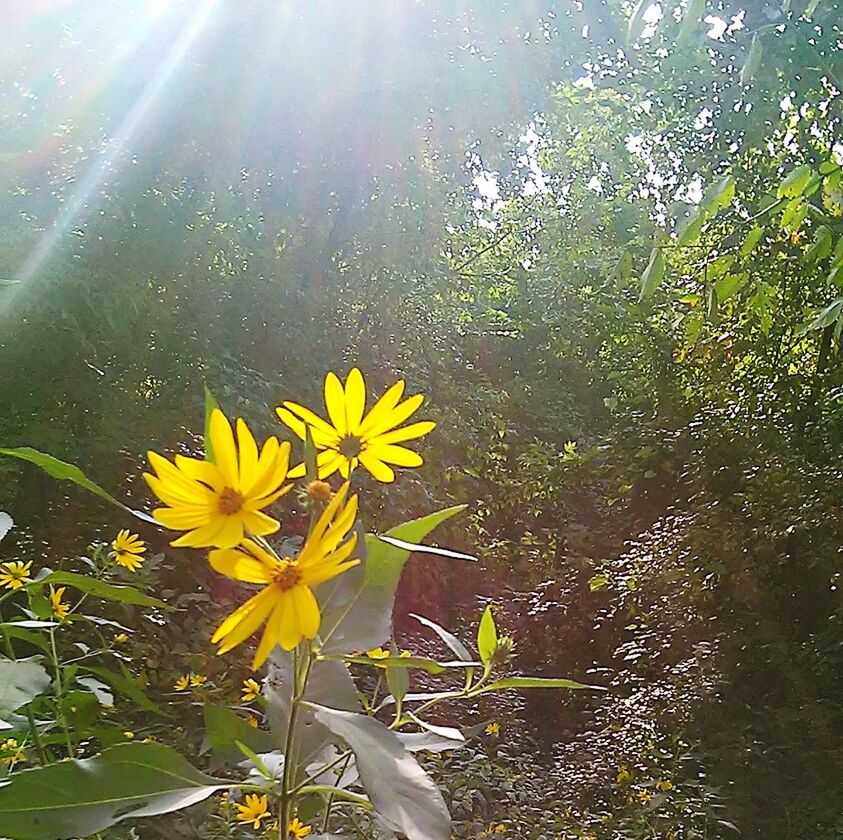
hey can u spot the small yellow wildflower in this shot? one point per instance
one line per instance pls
(217, 504)
(255, 810)
(15, 573)
(128, 549)
(60, 610)
(120, 638)
(15, 753)
(182, 683)
(353, 437)
(253, 722)
(298, 829)
(287, 604)
(500, 828)
(128, 735)
(493, 728)
(624, 777)
(251, 690)
(644, 795)
(664, 785)
(319, 491)
(377, 653)
(197, 680)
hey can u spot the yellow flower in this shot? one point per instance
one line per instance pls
(255, 810)
(59, 609)
(644, 795)
(251, 689)
(120, 638)
(664, 785)
(15, 573)
(218, 503)
(500, 828)
(182, 683)
(129, 735)
(493, 728)
(128, 549)
(287, 603)
(350, 438)
(197, 680)
(14, 753)
(298, 829)
(377, 653)
(253, 722)
(624, 777)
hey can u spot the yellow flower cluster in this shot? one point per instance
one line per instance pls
(188, 681)
(220, 504)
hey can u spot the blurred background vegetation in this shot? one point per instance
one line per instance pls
(605, 239)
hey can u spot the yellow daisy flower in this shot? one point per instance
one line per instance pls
(377, 653)
(255, 810)
(197, 680)
(493, 728)
(59, 609)
(287, 603)
(15, 573)
(251, 690)
(182, 683)
(298, 829)
(350, 438)
(217, 503)
(128, 549)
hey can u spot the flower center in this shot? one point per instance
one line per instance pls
(230, 501)
(351, 446)
(286, 575)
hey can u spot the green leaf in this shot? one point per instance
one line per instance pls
(653, 274)
(405, 662)
(397, 681)
(727, 286)
(535, 682)
(691, 18)
(401, 792)
(426, 549)
(210, 404)
(69, 472)
(124, 685)
(753, 60)
(98, 689)
(256, 760)
(821, 247)
(689, 231)
(752, 239)
(793, 185)
(598, 582)
(487, 637)
(449, 639)
(99, 588)
(358, 614)
(719, 195)
(224, 728)
(78, 798)
(21, 680)
(832, 313)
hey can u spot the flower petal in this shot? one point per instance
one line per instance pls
(382, 407)
(397, 455)
(248, 452)
(244, 620)
(239, 565)
(335, 403)
(414, 430)
(203, 471)
(355, 400)
(395, 417)
(272, 632)
(319, 427)
(378, 469)
(225, 452)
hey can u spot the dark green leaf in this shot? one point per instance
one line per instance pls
(124, 685)
(536, 682)
(99, 588)
(224, 728)
(78, 798)
(21, 680)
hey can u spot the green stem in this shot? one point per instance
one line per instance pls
(33, 728)
(59, 692)
(329, 804)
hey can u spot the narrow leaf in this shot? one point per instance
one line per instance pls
(426, 549)
(653, 274)
(536, 682)
(99, 588)
(210, 404)
(448, 638)
(487, 637)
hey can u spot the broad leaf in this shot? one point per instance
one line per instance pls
(99, 588)
(691, 18)
(358, 613)
(795, 182)
(6, 524)
(21, 680)
(78, 798)
(69, 472)
(753, 60)
(400, 790)
(225, 728)
(124, 685)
